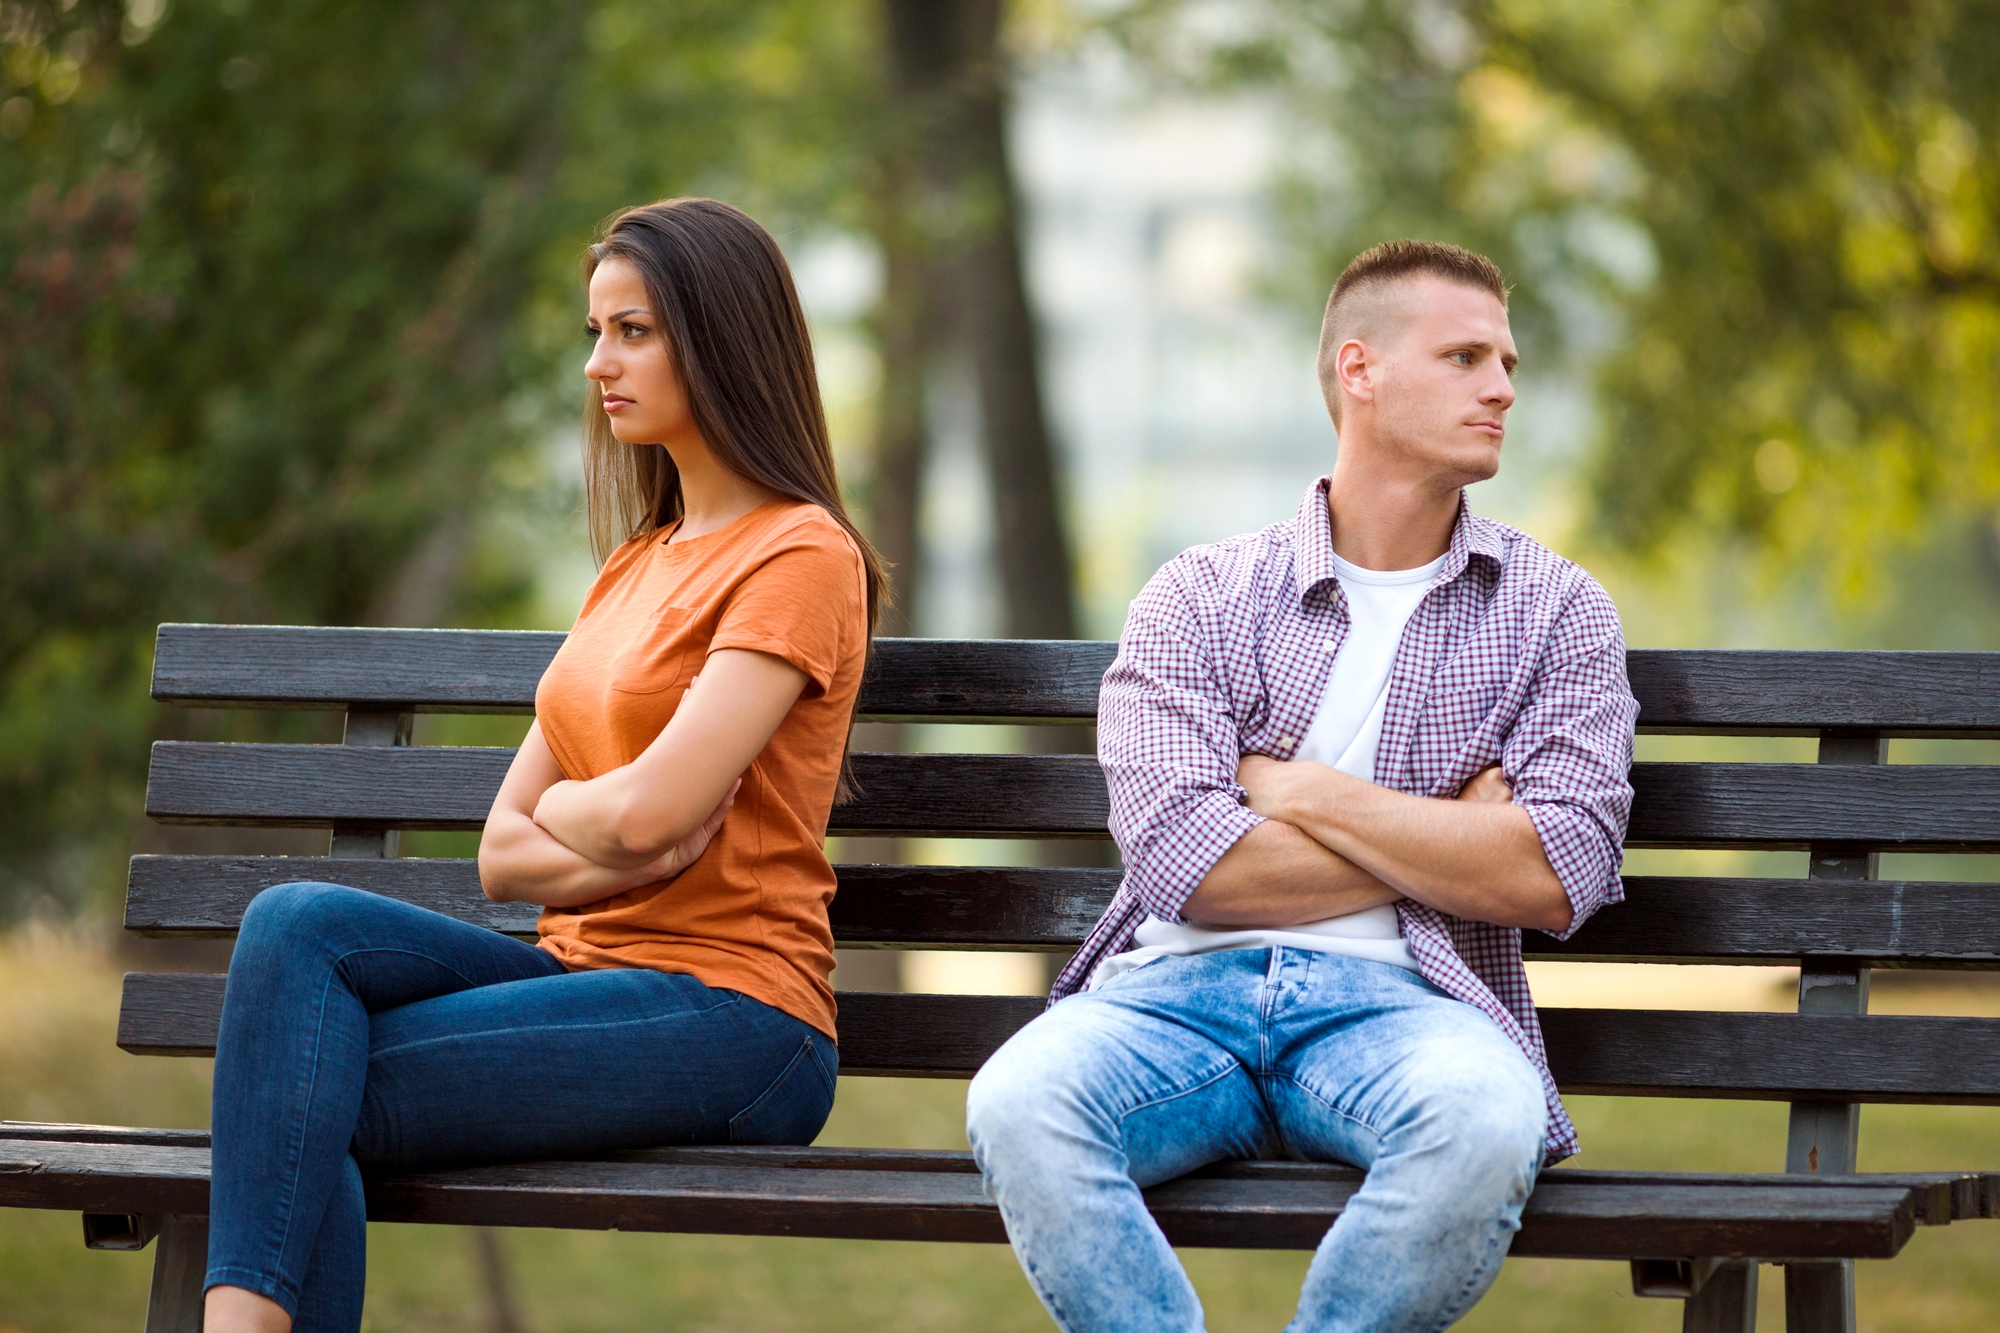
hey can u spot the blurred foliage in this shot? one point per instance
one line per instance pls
(1765, 230)
(291, 307)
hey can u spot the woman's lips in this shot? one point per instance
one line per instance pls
(612, 402)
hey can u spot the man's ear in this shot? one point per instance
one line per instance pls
(1354, 371)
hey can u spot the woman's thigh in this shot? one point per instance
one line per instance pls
(586, 1062)
(387, 953)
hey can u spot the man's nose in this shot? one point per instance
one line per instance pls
(1499, 391)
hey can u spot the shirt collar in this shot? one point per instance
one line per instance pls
(1313, 544)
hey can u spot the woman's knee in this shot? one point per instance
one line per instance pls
(300, 910)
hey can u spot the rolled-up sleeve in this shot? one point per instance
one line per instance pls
(1569, 755)
(1168, 744)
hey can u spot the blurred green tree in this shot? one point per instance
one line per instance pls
(1766, 230)
(289, 288)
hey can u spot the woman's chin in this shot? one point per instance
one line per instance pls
(632, 433)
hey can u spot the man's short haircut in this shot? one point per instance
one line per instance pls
(1355, 307)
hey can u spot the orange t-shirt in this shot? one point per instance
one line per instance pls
(750, 914)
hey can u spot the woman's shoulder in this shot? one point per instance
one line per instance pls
(801, 525)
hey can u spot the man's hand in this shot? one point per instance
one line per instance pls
(1477, 857)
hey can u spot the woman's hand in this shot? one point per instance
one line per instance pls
(689, 849)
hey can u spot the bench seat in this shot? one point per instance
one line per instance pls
(1699, 1237)
(890, 1194)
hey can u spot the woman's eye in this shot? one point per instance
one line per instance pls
(592, 334)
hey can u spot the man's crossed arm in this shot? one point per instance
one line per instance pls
(1331, 844)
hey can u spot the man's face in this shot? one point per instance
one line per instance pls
(1444, 380)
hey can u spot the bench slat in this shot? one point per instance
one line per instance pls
(1699, 690)
(1908, 807)
(1665, 919)
(451, 787)
(1616, 1052)
(981, 907)
(1940, 1197)
(731, 1192)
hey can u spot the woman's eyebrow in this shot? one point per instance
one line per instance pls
(632, 310)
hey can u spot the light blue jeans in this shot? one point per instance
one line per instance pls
(1249, 1053)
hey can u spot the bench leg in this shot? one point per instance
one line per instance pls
(179, 1266)
(1819, 1298)
(1726, 1303)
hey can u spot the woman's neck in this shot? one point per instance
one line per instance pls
(712, 497)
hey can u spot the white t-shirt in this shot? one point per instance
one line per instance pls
(1345, 733)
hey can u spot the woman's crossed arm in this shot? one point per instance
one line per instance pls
(563, 843)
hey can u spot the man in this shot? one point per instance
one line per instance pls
(1350, 757)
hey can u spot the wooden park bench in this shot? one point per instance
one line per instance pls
(1694, 1236)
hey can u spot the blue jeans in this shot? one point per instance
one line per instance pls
(1249, 1053)
(358, 1029)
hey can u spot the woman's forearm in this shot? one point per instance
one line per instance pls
(601, 820)
(520, 862)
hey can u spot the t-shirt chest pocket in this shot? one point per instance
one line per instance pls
(653, 660)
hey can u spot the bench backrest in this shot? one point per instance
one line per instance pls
(1837, 925)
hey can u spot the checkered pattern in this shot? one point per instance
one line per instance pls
(1514, 656)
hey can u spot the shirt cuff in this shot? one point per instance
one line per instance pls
(1182, 853)
(1585, 861)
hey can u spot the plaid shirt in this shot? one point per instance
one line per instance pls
(1514, 656)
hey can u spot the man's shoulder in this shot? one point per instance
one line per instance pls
(1527, 564)
(1248, 564)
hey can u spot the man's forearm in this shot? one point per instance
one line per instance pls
(1482, 861)
(1276, 876)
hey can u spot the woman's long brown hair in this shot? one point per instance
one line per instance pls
(731, 317)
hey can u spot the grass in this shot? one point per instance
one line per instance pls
(58, 1062)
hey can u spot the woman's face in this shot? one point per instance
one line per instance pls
(631, 362)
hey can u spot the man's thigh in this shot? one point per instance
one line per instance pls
(1368, 1058)
(1118, 1069)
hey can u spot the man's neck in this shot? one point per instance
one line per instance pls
(1389, 523)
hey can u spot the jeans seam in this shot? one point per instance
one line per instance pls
(540, 1027)
(287, 1200)
(773, 1087)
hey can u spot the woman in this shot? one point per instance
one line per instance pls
(669, 822)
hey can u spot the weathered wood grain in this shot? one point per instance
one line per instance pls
(1283, 1205)
(1614, 1052)
(452, 787)
(1905, 807)
(878, 906)
(1939, 1197)
(1733, 690)
(1665, 919)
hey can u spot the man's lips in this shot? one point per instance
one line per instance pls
(1493, 428)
